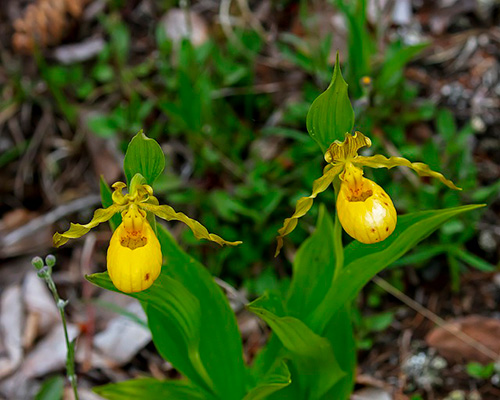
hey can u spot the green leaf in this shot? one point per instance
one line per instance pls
(421, 254)
(192, 324)
(480, 371)
(331, 115)
(394, 64)
(149, 388)
(107, 201)
(220, 347)
(473, 260)
(276, 379)
(313, 271)
(339, 332)
(51, 389)
(364, 261)
(102, 125)
(361, 45)
(446, 125)
(171, 307)
(310, 353)
(144, 156)
(313, 268)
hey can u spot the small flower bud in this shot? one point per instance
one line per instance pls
(44, 272)
(50, 260)
(366, 81)
(37, 262)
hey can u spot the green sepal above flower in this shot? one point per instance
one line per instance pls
(331, 115)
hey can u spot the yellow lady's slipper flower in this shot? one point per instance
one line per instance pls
(134, 255)
(364, 209)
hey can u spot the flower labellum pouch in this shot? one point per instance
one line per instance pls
(134, 254)
(365, 210)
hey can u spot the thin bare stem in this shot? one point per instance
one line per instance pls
(45, 272)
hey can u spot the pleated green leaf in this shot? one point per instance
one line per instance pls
(152, 389)
(311, 355)
(276, 379)
(192, 324)
(364, 261)
(313, 268)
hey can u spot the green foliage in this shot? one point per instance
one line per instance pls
(312, 356)
(323, 309)
(152, 389)
(366, 325)
(277, 378)
(191, 322)
(480, 371)
(51, 389)
(361, 45)
(363, 261)
(194, 328)
(107, 201)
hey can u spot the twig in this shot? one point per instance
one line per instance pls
(271, 87)
(26, 165)
(49, 218)
(233, 293)
(252, 19)
(436, 319)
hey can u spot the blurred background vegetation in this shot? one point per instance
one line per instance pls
(224, 87)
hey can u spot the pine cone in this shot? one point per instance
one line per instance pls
(45, 23)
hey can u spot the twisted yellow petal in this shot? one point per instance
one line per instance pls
(134, 254)
(341, 152)
(304, 204)
(379, 161)
(77, 230)
(200, 232)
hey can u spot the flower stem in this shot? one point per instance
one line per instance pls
(337, 236)
(45, 272)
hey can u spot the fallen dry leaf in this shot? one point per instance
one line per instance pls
(123, 338)
(176, 27)
(49, 355)
(11, 325)
(482, 329)
(371, 394)
(40, 303)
